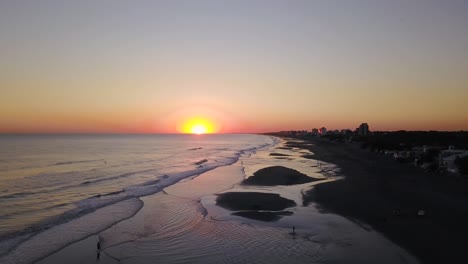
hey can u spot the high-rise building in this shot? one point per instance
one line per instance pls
(363, 129)
(323, 131)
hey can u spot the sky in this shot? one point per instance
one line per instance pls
(240, 66)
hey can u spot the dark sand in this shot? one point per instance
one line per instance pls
(286, 148)
(256, 205)
(264, 206)
(387, 195)
(277, 175)
(279, 154)
(243, 201)
(263, 216)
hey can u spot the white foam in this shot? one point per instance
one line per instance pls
(97, 213)
(57, 237)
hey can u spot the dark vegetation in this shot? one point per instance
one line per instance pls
(462, 164)
(434, 141)
(406, 140)
(389, 196)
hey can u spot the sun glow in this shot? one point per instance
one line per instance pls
(198, 126)
(198, 129)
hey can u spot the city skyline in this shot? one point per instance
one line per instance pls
(237, 67)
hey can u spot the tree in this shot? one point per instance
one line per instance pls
(462, 164)
(430, 155)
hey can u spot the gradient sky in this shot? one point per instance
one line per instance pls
(247, 66)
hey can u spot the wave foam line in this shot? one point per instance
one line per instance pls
(87, 208)
(45, 243)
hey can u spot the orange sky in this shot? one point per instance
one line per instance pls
(242, 66)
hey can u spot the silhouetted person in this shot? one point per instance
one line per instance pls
(294, 230)
(98, 245)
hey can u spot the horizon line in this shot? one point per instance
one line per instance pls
(227, 133)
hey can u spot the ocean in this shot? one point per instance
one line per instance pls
(46, 180)
(153, 199)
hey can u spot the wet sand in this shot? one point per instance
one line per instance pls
(183, 224)
(388, 195)
(264, 206)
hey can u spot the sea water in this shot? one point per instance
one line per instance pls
(50, 183)
(183, 224)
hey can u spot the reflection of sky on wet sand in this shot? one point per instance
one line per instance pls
(183, 224)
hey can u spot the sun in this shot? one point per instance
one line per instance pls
(198, 126)
(198, 129)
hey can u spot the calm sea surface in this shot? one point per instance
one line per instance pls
(49, 179)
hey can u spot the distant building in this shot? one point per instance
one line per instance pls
(363, 129)
(294, 133)
(315, 132)
(447, 158)
(323, 131)
(346, 132)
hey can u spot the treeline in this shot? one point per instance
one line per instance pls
(462, 164)
(406, 140)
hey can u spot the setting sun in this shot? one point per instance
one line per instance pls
(199, 126)
(198, 129)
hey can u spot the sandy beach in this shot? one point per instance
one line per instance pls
(239, 214)
(388, 196)
(206, 132)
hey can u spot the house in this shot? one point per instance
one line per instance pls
(447, 158)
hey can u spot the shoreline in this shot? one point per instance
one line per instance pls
(27, 251)
(191, 219)
(388, 196)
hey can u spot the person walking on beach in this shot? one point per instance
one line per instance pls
(98, 246)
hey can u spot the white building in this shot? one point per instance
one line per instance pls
(447, 158)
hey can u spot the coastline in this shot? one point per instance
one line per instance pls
(387, 195)
(184, 218)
